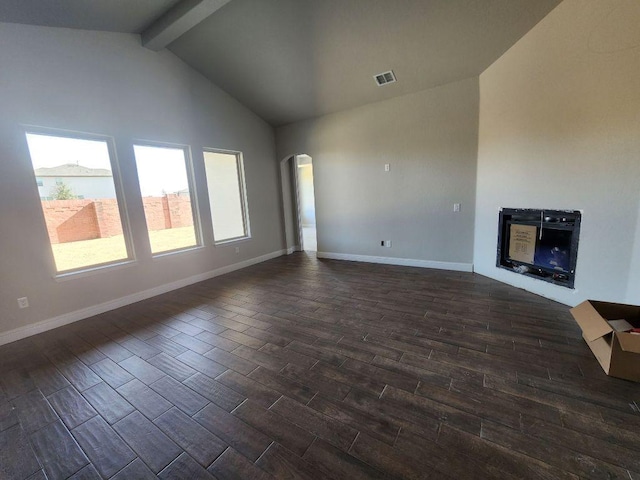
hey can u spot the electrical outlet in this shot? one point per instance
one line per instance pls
(237, 250)
(387, 167)
(23, 302)
(456, 207)
(385, 243)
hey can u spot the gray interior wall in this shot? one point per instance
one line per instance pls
(633, 282)
(559, 129)
(430, 141)
(289, 207)
(109, 84)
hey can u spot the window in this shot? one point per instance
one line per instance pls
(82, 212)
(165, 178)
(225, 182)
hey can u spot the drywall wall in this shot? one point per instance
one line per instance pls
(559, 129)
(289, 206)
(107, 83)
(429, 139)
(633, 283)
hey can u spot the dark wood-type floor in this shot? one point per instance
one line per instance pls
(299, 368)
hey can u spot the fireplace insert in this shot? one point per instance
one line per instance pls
(539, 243)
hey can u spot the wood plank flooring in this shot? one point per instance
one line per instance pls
(307, 369)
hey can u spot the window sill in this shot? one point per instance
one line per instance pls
(222, 243)
(171, 253)
(89, 271)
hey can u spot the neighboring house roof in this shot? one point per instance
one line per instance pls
(72, 170)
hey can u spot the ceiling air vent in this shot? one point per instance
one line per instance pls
(384, 78)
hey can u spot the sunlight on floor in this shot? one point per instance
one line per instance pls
(309, 239)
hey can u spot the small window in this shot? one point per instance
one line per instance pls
(165, 184)
(225, 182)
(81, 209)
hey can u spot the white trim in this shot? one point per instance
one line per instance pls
(75, 274)
(158, 257)
(66, 318)
(407, 262)
(242, 189)
(558, 293)
(295, 248)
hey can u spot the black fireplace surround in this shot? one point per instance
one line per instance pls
(542, 244)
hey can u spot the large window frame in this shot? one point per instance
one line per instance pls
(242, 190)
(109, 141)
(195, 210)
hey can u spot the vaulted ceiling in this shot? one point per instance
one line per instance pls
(289, 60)
(125, 16)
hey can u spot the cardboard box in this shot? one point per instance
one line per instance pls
(617, 352)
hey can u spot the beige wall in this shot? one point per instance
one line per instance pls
(109, 84)
(430, 141)
(560, 129)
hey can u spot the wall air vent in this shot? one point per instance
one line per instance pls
(385, 77)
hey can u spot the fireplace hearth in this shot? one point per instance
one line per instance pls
(542, 244)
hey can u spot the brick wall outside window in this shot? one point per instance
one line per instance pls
(76, 220)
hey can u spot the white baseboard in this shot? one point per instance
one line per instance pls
(406, 262)
(65, 319)
(295, 248)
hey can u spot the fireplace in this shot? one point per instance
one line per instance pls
(542, 244)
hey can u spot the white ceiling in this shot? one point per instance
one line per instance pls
(289, 60)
